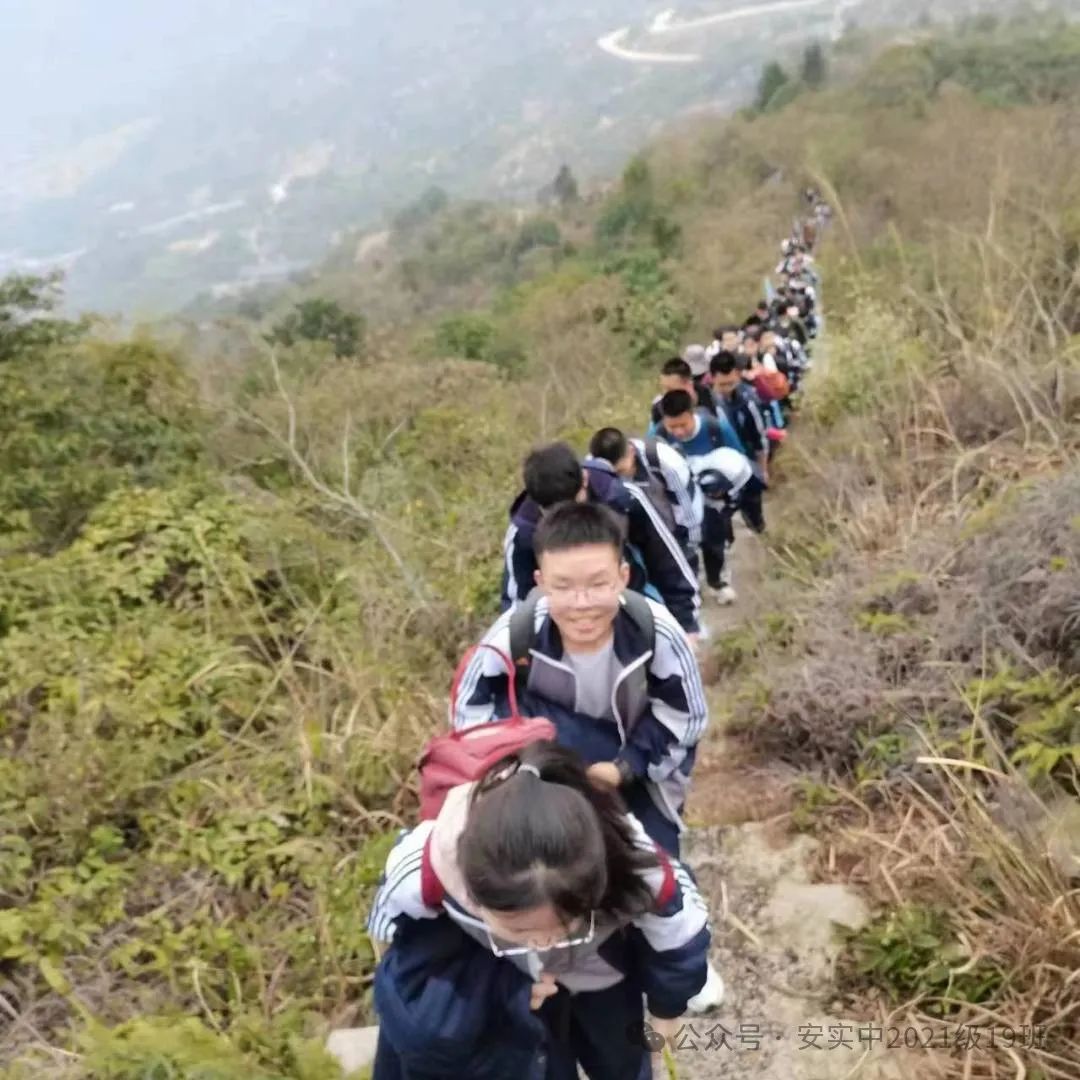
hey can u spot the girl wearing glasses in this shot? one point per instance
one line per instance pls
(527, 922)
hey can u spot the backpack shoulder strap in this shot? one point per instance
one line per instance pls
(722, 432)
(637, 607)
(652, 452)
(523, 630)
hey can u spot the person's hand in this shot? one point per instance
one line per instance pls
(668, 1030)
(605, 775)
(695, 640)
(542, 990)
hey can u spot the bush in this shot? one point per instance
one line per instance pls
(321, 320)
(81, 421)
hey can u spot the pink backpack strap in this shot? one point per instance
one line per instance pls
(432, 892)
(668, 885)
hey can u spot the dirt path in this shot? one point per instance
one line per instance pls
(773, 925)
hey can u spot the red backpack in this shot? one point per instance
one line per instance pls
(460, 757)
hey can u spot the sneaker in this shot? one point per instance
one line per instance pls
(725, 595)
(711, 994)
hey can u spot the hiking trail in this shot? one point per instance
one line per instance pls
(773, 925)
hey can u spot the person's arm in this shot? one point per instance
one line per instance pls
(400, 892)
(672, 940)
(756, 439)
(662, 738)
(484, 687)
(680, 481)
(519, 568)
(665, 564)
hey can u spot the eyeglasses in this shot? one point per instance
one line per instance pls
(589, 593)
(525, 950)
(506, 949)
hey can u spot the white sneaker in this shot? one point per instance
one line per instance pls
(725, 595)
(710, 995)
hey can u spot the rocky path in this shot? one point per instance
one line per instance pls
(773, 925)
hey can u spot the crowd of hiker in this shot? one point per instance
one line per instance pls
(540, 911)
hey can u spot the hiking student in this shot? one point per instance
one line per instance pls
(658, 566)
(612, 670)
(728, 484)
(791, 325)
(693, 431)
(676, 374)
(771, 385)
(527, 921)
(739, 405)
(660, 471)
(725, 339)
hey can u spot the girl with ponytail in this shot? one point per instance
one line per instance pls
(527, 922)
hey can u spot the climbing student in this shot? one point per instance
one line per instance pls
(676, 374)
(527, 921)
(790, 324)
(725, 339)
(613, 671)
(739, 406)
(760, 314)
(662, 473)
(693, 431)
(553, 474)
(728, 484)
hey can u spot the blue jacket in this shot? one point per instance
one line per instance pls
(451, 1008)
(658, 566)
(658, 701)
(744, 412)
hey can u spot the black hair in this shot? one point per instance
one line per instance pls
(552, 475)
(676, 403)
(723, 363)
(677, 366)
(551, 839)
(753, 333)
(608, 444)
(728, 328)
(574, 524)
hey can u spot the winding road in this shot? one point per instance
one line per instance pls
(667, 23)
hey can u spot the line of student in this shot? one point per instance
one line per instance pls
(544, 906)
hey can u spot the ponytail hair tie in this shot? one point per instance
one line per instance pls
(530, 769)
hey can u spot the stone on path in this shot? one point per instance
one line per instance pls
(354, 1048)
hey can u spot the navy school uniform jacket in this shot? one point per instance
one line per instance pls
(744, 412)
(664, 949)
(658, 712)
(656, 560)
(450, 1007)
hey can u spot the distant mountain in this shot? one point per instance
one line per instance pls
(201, 149)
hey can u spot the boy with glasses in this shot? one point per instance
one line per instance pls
(612, 670)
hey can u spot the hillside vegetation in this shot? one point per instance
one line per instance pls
(237, 569)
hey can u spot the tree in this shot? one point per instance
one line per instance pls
(25, 322)
(319, 319)
(814, 70)
(773, 77)
(466, 334)
(565, 187)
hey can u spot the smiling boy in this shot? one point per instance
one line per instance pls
(613, 670)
